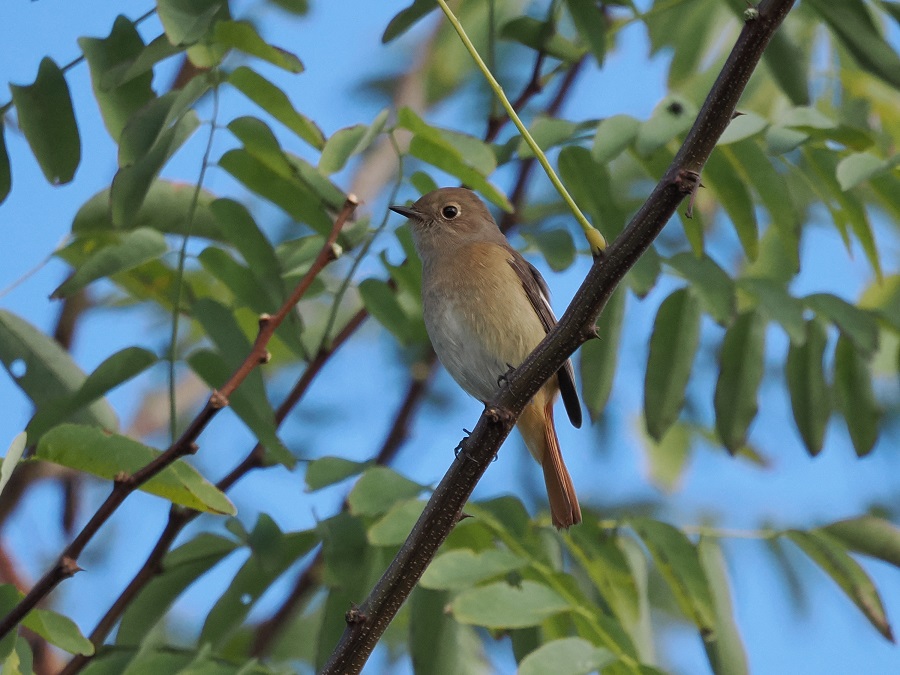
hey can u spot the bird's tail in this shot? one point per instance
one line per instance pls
(537, 429)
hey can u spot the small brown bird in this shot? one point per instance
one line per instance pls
(486, 308)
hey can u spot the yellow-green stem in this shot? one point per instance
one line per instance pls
(596, 240)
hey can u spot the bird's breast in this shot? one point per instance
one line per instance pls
(478, 316)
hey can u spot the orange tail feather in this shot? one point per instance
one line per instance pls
(539, 433)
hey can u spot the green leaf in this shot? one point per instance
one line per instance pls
(548, 132)
(107, 455)
(5, 172)
(677, 561)
(852, 24)
(275, 102)
(741, 368)
(465, 157)
(244, 234)
(406, 18)
(741, 127)
(9, 598)
(499, 605)
(327, 471)
(438, 645)
(672, 117)
(614, 134)
(592, 188)
(126, 252)
(239, 279)
(854, 396)
(868, 535)
(394, 527)
(255, 577)
(249, 401)
(179, 569)
(188, 21)
(599, 357)
(566, 656)
(291, 195)
(116, 369)
(104, 55)
(676, 336)
(260, 142)
(810, 397)
(378, 489)
(711, 283)
(789, 66)
(858, 325)
(556, 246)
(542, 37)
(120, 74)
(726, 650)
(166, 208)
(12, 457)
(381, 302)
(668, 457)
(49, 371)
(773, 301)
(590, 21)
(859, 167)
(463, 568)
(46, 118)
(342, 145)
(59, 631)
(242, 35)
(133, 181)
(832, 558)
(720, 175)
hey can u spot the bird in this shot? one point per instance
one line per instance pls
(486, 308)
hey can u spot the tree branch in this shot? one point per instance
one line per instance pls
(574, 328)
(67, 565)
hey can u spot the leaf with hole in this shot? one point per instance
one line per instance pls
(44, 370)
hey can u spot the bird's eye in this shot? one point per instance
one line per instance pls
(450, 212)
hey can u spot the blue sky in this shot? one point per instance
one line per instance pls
(336, 47)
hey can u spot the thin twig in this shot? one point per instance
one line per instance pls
(67, 565)
(180, 517)
(574, 328)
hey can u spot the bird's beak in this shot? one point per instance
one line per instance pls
(406, 211)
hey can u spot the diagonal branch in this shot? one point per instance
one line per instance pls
(367, 624)
(67, 564)
(180, 517)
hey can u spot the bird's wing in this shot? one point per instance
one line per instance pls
(539, 296)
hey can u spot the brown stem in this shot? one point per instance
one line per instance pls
(574, 328)
(67, 564)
